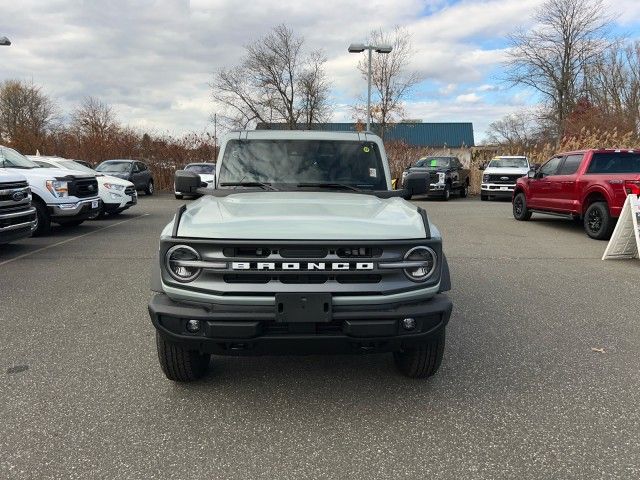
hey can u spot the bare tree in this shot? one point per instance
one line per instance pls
(391, 77)
(276, 81)
(553, 57)
(26, 114)
(516, 132)
(94, 118)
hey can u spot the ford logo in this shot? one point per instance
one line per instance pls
(504, 178)
(18, 196)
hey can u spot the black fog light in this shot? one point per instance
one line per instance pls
(193, 326)
(181, 262)
(425, 259)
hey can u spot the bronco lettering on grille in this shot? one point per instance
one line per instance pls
(301, 266)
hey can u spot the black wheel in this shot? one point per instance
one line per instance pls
(179, 197)
(149, 188)
(43, 220)
(464, 191)
(446, 195)
(180, 364)
(422, 361)
(484, 197)
(598, 222)
(520, 210)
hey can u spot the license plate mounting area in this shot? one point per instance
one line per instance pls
(303, 307)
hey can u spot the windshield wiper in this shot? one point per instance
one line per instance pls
(343, 186)
(263, 185)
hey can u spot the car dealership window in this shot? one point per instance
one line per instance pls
(570, 165)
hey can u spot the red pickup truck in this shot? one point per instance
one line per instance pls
(589, 185)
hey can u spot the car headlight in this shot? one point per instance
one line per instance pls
(58, 188)
(425, 259)
(441, 177)
(178, 261)
(113, 186)
(485, 178)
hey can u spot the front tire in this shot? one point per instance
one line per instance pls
(43, 220)
(484, 197)
(180, 364)
(520, 210)
(422, 361)
(446, 195)
(598, 222)
(149, 189)
(464, 191)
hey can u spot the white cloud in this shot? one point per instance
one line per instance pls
(468, 98)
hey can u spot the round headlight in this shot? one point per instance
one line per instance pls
(178, 259)
(420, 254)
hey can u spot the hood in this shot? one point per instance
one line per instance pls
(505, 171)
(102, 179)
(33, 174)
(6, 177)
(427, 170)
(301, 216)
(116, 174)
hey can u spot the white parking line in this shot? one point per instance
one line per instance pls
(70, 240)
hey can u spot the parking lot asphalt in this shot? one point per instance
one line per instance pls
(541, 376)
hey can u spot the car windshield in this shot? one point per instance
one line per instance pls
(331, 162)
(433, 162)
(9, 158)
(71, 165)
(114, 166)
(519, 162)
(206, 168)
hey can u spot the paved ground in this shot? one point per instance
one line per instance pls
(521, 393)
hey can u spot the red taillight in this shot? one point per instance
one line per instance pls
(632, 187)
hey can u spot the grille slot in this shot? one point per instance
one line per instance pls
(359, 278)
(359, 252)
(131, 191)
(511, 179)
(246, 252)
(303, 252)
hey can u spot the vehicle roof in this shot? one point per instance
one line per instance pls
(301, 135)
(600, 150)
(509, 156)
(121, 160)
(201, 163)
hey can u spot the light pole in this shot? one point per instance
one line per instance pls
(359, 48)
(4, 42)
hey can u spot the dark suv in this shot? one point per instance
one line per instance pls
(136, 172)
(444, 175)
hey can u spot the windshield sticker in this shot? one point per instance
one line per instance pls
(366, 150)
(434, 163)
(373, 173)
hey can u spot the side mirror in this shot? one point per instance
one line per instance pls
(531, 173)
(416, 185)
(187, 182)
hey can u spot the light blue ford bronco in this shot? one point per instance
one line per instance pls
(302, 247)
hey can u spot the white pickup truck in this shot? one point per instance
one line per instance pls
(500, 175)
(58, 196)
(17, 216)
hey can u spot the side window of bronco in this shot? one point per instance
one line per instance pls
(551, 167)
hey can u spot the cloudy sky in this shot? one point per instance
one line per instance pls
(152, 60)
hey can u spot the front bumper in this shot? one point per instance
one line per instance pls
(17, 225)
(436, 189)
(497, 190)
(113, 204)
(253, 330)
(80, 210)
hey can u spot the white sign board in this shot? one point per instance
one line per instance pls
(625, 241)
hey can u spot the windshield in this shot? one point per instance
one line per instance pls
(114, 166)
(9, 158)
(71, 165)
(351, 163)
(206, 168)
(518, 162)
(433, 162)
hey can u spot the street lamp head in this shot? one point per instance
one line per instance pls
(383, 49)
(4, 41)
(356, 48)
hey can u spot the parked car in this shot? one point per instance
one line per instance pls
(590, 185)
(444, 175)
(500, 175)
(17, 216)
(59, 196)
(207, 172)
(303, 247)
(86, 164)
(132, 170)
(117, 195)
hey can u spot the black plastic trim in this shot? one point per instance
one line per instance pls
(176, 223)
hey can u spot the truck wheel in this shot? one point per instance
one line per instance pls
(520, 210)
(484, 197)
(446, 195)
(422, 361)
(43, 220)
(464, 191)
(149, 188)
(180, 364)
(598, 222)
